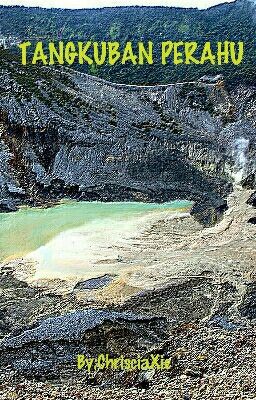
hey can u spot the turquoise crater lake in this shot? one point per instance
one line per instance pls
(45, 233)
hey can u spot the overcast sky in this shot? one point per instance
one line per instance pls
(112, 3)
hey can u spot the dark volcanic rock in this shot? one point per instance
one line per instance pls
(208, 213)
(67, 327)
(94, 283)
(177, 302)
(7, 205)
(54, 343)
(252, 200)
(248, 306)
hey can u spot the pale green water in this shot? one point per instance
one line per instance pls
(29, 228)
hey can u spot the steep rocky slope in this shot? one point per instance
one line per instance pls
(67, 134)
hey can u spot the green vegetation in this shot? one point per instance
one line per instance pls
(232, 21)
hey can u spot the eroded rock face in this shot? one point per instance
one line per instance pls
(252, 200)
(66, 134)
(248, 306)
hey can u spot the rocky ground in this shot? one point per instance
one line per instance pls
(188, 294)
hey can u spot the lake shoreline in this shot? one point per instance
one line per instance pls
(38, 226)
(187, 293)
